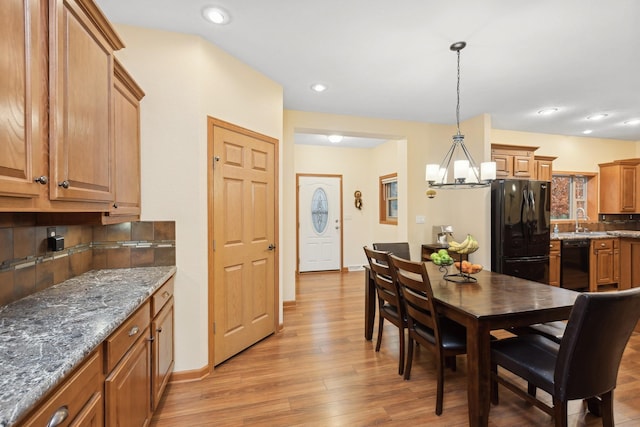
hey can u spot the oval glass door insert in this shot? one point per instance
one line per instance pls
(319, 210)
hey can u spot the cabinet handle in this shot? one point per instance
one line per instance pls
(42, 180)
(151, 339)
(159, 330)
(165, 294)
(602, 245)
(115, 205)
(59, 416)
(134, 331)
(64, 184)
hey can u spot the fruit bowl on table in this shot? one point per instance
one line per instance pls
(467, 267)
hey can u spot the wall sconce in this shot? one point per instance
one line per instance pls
(358, 201)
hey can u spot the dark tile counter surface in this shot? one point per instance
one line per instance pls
(44, 336)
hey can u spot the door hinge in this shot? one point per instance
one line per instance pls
(214, 245)
(215, 160)
(214, 328)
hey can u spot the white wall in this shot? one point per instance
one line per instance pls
(186, 79)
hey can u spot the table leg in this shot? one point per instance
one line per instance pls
(369, 304)
(479, 373)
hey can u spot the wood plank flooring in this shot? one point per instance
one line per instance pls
(320, 371)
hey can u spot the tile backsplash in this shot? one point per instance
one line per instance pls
(28, 266)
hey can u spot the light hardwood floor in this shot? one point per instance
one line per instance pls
(320, 371)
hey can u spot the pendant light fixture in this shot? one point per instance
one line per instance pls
(465, 173)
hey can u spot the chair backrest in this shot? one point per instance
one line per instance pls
(399, 249)
(416, 291)
(596, 335)
(386, 287)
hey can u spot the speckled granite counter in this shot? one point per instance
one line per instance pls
(597, 235)
(46, 335)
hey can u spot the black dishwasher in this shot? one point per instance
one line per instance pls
(574, 272)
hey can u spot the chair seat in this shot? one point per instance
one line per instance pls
(528, 356)
(552, 330)
(453, 335)
(391, 310)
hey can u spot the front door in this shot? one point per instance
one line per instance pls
(319, 223)
(243, 247)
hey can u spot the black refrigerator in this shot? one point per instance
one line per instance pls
(520, 228)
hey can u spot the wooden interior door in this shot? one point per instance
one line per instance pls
(243, 233)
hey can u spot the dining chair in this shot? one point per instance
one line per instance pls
(390, 303)
(443, 336)
(584, 365)
(399, 249)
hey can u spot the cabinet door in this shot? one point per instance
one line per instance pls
(628, 189)
(522, 166)
(81, 114)
(128, 387)
(163, 355)
(554, 263)
(503, 165)
(92, 415)
(544, 170)
(22, 91)
(126, 99)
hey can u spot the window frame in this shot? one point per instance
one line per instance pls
(384, 181)
(592, 196)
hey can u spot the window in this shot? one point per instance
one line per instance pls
(389, 199)
(572, 191)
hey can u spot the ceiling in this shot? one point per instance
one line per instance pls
(392, 60)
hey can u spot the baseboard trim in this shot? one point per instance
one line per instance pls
(189, 376)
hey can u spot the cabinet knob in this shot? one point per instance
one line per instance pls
(115, 205)
(602, 245)
(42, 180)
(134, 331)
(58, 417)
(64, 184)
(159, 330)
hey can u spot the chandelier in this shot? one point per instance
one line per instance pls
(466, 173)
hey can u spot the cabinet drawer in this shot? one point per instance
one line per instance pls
(554, 246)
(602, 244)
(81, 389)
(161, 296)
(125, 336)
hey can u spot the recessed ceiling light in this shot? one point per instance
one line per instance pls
(632, 122)
(334, 139)
(318, 87)
(547, 111)
(587, 131)
(598, 116)
(216, 15)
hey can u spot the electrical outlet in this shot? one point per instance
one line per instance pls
(51, 231)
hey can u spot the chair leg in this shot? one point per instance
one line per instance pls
(450, 362)
(440, 384)
(401, 355)
(560, 412)
(531, 389)
(407, 369)
(494, 384)
(380, 321)
(607, 409)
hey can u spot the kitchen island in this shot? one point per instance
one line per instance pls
(44, 336)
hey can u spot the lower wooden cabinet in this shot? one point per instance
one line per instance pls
(128, 387)
(163, 356)
(602, 265)
(78, 401)
(629, 263)
(554, 263)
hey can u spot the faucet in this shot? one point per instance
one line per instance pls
(584, 216)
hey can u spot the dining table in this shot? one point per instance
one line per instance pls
(484, 302)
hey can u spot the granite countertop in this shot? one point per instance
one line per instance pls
(596, 235)
(44, 336)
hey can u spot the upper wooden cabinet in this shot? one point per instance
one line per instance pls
(618, 188)
(126, 99)
(69, 138)
(513, 161)
(23, 92)
(81, 111)
(544, 167)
